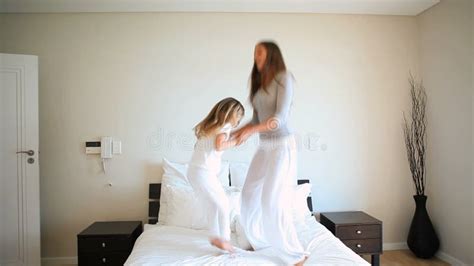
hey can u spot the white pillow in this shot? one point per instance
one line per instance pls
(185, 210)
(300, 204)
(167, 182)
(180, 169)
(174, 174)
(174, 168)
(223, 174)
(234, 195)
(238, 173)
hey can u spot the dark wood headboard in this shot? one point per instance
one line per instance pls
(308, 199)
(155, 193)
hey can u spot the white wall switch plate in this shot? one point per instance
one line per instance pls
(106, 147)
(117, 147)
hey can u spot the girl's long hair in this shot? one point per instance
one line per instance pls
(220, 114)
(274, 64)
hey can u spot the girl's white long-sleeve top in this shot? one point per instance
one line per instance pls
(205, 154)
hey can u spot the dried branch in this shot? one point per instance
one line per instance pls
(415, 134)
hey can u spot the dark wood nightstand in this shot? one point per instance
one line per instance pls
(359, 231)
(107, 243)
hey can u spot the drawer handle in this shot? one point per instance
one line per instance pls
(358, 232)
(103, 244)
(104, 260)
(358, 245)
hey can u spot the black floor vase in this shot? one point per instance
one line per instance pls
(422, 239)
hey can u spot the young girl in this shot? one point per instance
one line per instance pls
(213, 138)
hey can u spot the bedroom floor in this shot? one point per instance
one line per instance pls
(405, 257)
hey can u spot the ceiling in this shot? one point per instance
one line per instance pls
(376, 7)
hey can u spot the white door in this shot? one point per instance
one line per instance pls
(19, 171)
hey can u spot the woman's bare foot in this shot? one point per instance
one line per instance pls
(301, 262)
(222, 244)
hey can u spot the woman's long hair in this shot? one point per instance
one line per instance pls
(220, 114)
(274, 64)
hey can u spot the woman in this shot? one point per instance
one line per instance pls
(265, 211)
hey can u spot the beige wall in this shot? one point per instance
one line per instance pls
(446, 66)
(140, 76)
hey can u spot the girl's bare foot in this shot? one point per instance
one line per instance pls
(222, 244)
(301, 262)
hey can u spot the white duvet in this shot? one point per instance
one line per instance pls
(169, 245)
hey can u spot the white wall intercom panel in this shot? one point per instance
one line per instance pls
(106, 147)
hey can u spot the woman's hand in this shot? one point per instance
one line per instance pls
(246, 133)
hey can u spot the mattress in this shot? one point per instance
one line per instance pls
(169, 245)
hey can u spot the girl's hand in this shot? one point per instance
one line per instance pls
(239, 140)
(222, 143)
(235, 134)
(243, 134)
(236, 138)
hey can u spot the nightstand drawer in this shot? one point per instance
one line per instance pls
(104, 244)
(364, 245)
(111, 259)
(359, 231)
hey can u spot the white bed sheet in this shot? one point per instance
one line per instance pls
(169, 245)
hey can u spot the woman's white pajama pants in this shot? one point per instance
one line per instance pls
(211, 194)
(266, 214)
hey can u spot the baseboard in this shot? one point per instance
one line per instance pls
(395, 246)
(56, 261)
(440, 254)
(449, 259)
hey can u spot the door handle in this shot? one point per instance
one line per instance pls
(30, 152)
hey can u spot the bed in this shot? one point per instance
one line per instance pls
(166, 243)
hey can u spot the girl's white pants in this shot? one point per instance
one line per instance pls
(266, 214)
(211, 194)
